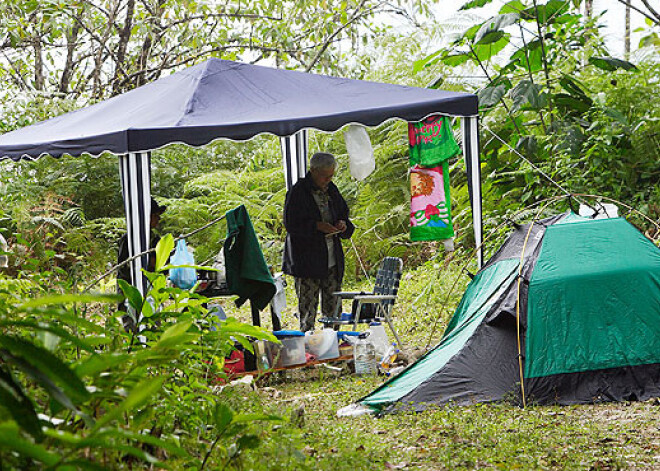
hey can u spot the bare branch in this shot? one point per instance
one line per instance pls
(648, 15)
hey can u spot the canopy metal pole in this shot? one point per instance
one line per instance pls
(470, 128)
(135, 174)
(294, 157)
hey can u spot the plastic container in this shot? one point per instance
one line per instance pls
(347, 335)
(261, 354)
(378, 337)
(323, 345)
(388, 359)
(292, 350)
(364, 355)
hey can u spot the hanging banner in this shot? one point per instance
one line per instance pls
(431, 141)
(430, 207)
(431, 145)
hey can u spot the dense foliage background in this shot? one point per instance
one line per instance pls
(77, 390)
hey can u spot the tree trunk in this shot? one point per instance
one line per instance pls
(67, 72)
(39, 81)
(626, 39)
(588, 9)
(124, 37)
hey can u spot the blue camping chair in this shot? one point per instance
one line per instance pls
(376, 305)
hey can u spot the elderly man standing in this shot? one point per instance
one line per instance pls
(316, 217)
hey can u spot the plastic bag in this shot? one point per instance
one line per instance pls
(221, 274)
(183, 277)
(360, 152)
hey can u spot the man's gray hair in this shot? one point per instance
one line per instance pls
(322, 160)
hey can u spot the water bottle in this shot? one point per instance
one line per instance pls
(388, 359)
(364, 355)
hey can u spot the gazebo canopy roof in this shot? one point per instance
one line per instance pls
(225, 99)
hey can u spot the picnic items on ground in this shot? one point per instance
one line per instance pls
(378, 337)
(292, 350)
(431, 144)
(364, 355)
(360, 153)
(183, 277)
(322, 344)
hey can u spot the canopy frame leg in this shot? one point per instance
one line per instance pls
(294, 157)
(135, 175)
(470, 129)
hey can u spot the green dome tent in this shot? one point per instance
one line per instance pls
(587, 328)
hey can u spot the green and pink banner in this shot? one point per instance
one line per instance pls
(431, 145)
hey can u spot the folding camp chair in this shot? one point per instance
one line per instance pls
(376, 305)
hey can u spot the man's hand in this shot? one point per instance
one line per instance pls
(325, 227)
(341, 225)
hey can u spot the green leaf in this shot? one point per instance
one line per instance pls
(514, 6)
(11, 439)
(529, 57)
(528, 146)
(573, 87)
(132, 294)
(486, 35)
(71, 299)
(617, 116)
(98, 363)
(548, 13)
(427, 61)
(100, 439)
(196, 267)
(139, 395)
(147, 310)
(491, 96)
(47, 363)
(177, 329)
(163, 250)
(475, 4)
(491, 37)
(249, 442)
(611, 64)
(526, 93)
(19, 405)
(53, 329)
(486, 51)
(572, 103)
(222, 416)
(454, 60)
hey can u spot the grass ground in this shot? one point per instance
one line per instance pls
(489, 436)
(495, 436)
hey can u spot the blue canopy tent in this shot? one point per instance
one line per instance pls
(232, 100)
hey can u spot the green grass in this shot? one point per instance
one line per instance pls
(490, 436)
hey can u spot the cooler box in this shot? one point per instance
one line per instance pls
(292, 350)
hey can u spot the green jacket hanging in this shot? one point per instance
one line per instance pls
(248, 275)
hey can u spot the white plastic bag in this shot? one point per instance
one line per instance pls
(221, 274)
(360, 152)
(183, 277)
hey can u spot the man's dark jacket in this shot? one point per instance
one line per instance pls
(305, 249)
